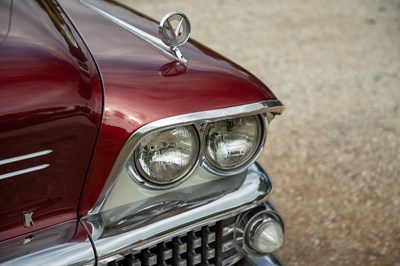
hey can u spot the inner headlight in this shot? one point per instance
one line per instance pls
(233, 142)
(167, 156)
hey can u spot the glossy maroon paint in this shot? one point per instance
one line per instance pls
(50, 99)
(137, 91)
(41, 239)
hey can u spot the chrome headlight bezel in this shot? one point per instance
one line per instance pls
(123, 163)
(201, 159)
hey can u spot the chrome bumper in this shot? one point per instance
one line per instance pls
(270, 260)
(144, 224)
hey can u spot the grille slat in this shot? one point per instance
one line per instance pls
(227, 246)
(207, 245)
(197, 242)
(228, 230)
(196, 259)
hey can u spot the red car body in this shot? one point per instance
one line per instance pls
(75, 87)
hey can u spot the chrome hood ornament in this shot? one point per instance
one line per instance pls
(174, 31)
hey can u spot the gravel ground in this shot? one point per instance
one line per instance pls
(334, 155)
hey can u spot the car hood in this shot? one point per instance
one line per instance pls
(140, 81)
(142, 84)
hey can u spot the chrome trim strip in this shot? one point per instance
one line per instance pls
(24, 157)
(156, 42)
(24, 171)
(269, 106)
(121, 237)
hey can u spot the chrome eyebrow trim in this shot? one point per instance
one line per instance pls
(25, 157)
(269, 107)
(156, 42)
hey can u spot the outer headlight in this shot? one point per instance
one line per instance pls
(231, 143)
(167, 156)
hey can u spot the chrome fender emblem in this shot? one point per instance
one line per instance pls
(27, 217)
(174, 31)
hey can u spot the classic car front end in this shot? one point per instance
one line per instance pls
(124, 145)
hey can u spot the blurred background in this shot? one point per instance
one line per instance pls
(334, 155)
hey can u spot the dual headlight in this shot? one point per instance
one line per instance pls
(224, 147)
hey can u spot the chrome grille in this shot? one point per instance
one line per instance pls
(210, 244)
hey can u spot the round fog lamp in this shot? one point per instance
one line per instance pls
(266, 236)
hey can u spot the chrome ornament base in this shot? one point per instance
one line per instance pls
(177, 53)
